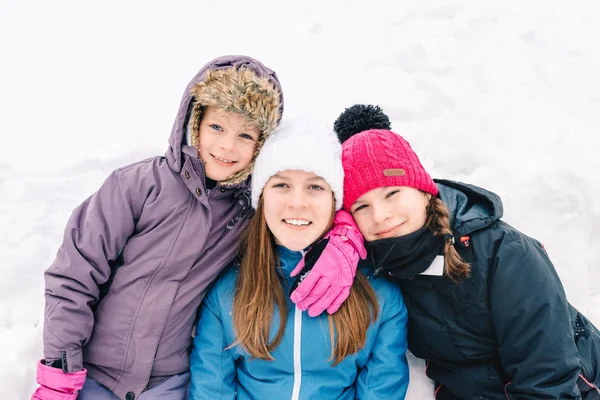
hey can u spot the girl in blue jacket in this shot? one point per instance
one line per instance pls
(254, 342)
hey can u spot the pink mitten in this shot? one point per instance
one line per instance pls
(56, 384)
(332, 265)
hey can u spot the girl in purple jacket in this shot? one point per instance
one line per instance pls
(123, 292)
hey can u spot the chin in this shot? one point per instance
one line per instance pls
(295, 246)
(219, 175)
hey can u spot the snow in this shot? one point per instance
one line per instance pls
(505, 95)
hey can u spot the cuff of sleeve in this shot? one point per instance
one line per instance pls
(71, 358)
(74, 360)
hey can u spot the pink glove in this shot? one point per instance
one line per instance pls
(56, 384)
(332, 265)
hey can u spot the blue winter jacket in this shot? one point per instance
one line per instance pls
(301, 369)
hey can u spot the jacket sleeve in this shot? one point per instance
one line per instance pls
(94, 237)
(213, 371)
(532, 322)
(385, 375)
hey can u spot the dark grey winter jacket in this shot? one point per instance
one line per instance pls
(508, 330)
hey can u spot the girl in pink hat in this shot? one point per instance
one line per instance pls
(487, 310)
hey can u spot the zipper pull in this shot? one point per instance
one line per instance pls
(377, 272)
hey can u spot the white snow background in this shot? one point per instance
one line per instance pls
(505, 95)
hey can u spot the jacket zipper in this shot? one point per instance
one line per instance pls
(297, 354)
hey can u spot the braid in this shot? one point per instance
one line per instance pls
(439, 223)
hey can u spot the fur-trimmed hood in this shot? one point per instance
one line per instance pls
(237, 84)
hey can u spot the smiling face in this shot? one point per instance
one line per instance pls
(226, 143)
(298, 207)
(390, 211)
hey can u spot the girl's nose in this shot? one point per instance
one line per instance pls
(298, 199)
(379, 214)
(227, 142)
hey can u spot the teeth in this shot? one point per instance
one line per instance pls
(297, 222)
(223, 160)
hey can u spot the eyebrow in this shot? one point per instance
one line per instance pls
(252, 128)
(357, 203)
(314, 178)
(280, 177)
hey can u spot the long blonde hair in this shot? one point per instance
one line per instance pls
(259, 290)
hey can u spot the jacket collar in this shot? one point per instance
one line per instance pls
(288, 260)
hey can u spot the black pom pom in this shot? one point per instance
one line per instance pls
(358, 118)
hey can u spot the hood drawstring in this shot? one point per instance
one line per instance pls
(379, 267)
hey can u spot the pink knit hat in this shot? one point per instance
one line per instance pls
(377, 157)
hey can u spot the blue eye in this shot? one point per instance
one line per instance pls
(316, 187)
(216, 127)
(280, 185)
(246, 136)
(390, 194)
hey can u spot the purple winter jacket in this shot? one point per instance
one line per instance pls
(136, 259)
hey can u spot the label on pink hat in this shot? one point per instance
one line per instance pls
(394, 172)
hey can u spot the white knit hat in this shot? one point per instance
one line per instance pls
(307, 146)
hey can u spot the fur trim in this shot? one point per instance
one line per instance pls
(243, 92)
